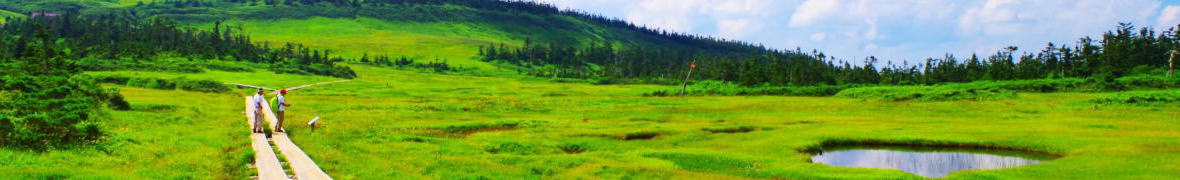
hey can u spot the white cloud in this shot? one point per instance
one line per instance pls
(733, 28)
(1170, 17)
(811, 11)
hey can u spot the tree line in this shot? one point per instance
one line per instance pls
(1124, 51)
(118, 38)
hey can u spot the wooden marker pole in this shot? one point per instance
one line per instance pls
(684, 86)
(1171, 62)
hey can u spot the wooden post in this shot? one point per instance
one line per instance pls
(684, 85)
(1171, 62)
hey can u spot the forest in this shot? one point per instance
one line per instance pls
(1127, 50)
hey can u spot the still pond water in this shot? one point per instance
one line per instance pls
(931, 163)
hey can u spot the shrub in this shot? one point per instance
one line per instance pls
(31, 121)
(1148, 82)
(1140, 98)
(151, 83)
(117, 102)
(512, 148)
(573, 148)
(201, 85)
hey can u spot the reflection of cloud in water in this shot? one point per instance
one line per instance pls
(927, 164)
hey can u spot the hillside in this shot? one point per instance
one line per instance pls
(446, 30)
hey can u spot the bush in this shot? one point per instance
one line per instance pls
(178, 83)
(573, 148)
(47, 111)
(151, 83)
(160, 84)
(512, 148)
(117, 102)
(1148, 82)
(1140, 98)
(201, 85)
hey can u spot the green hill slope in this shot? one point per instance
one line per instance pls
(426, 30)
(456, 43)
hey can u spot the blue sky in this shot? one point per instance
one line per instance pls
(892, 30)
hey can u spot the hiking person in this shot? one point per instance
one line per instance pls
(258, 100)
(281, 101)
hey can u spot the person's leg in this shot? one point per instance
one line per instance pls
(279, 124)
(258, 121)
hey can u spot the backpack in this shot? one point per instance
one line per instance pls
(274, 104)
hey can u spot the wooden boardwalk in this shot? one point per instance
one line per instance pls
(265, 159)
(303, 166)
(309, 85)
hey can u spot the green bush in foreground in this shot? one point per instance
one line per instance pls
(50, 111)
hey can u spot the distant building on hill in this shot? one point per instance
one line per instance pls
(43, 13)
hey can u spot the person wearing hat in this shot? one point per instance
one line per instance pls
(258, 100)
(282, 103)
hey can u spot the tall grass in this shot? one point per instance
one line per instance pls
(991, 90)
(718, 88)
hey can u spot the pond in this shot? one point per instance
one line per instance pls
(926, 162)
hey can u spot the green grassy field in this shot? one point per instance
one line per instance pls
(456, 43)
(388, 123)
(168, 135)
(391, 123)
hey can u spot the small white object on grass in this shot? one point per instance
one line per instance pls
(312, 122)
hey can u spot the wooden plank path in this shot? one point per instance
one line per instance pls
(304, 167)
(265, 159)
(307, 85)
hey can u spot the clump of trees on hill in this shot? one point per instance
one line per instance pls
(1124, 51)
(405, 62)
(119, 38)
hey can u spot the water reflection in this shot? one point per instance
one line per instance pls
(923, 162)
